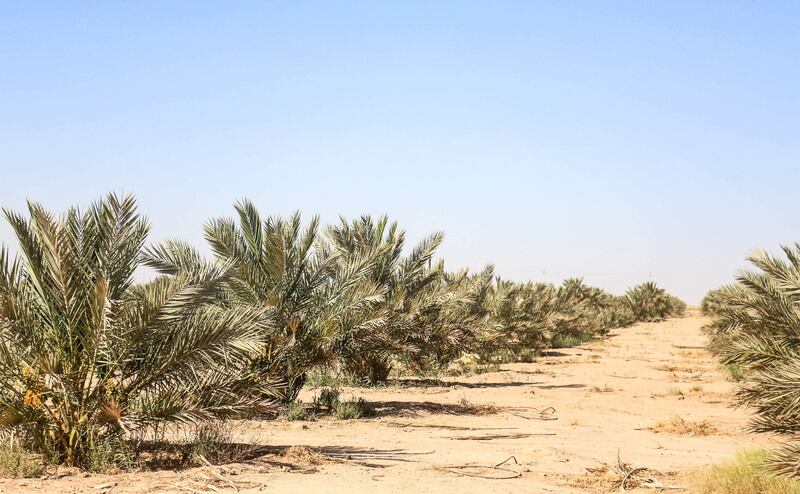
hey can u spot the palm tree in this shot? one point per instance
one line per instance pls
(715, 301)
(365, 352)
(522, 317)
(86, 355)
(311, 295)
(428, 315)
(648, 302)
(447, 319)
(757, 327)
(587, 311)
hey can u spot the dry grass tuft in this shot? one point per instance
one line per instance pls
(679, 425)
(694, 354)
(601, 389)
(303, 455)
(744, 475)
(469, 408)
(619, 477)
(679, 368)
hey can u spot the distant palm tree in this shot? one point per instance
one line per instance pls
(648, 302)
(86, 355)
(522, 316)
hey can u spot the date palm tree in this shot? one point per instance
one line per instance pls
(757, 327)
(86, 355)
(648, 302)
(428, 315)
(312, 295)
(522, 317)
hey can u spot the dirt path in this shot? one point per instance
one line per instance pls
(556, 417)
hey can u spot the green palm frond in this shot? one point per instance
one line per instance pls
(85, 352)
(756, 325)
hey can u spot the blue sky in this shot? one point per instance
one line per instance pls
(617, 141)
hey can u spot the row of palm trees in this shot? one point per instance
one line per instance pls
(755, 329)
(87, 353)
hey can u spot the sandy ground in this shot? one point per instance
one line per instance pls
(557, 417)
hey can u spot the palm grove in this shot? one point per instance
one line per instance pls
(89, 357)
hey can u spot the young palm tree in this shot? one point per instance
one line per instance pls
(522, 317)
(648, 302)
(366, 352)
(758, 328)
(311, 295)
(715, 301)
(428, 315)
(447, 319)
(86, 355)
(588, 311)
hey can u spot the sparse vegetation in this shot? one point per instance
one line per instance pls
(747, 474)
(328, 402)
(681, 426)
(296, 410)
(353, 409)
(16, 462)
(674, 391)
(469, 408)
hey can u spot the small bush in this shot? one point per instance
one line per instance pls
(327, 400)
(354, 409)
(673, 391)
(745, 475)
(570, 340)
(298, 411)
(324, 378)
(469, 408)
(16, 462)
(110, 454)
(213, 441)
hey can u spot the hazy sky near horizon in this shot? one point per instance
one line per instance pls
(617, 141)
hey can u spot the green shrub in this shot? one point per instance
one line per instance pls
(322, 377)
(109, 454)
(735, 372)
(298, 411)
(570, 340)
(16, 462)
(327, 399)
(354, 409)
